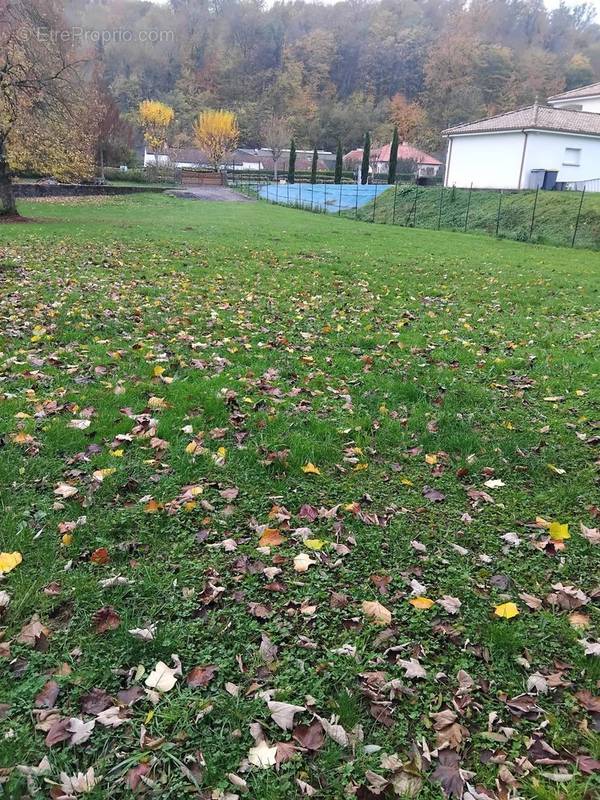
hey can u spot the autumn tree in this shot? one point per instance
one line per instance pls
(292, 163)
(112, 132)
(217, 133)
(155, 118)
(366, 156)
(407, 117)
(37, 78)
(276, 134)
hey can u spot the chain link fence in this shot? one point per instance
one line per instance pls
(567, 218)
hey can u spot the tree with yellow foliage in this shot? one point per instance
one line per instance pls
(38, 83)
(217, 133)
(155, 118)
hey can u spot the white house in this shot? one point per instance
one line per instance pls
(530, 147)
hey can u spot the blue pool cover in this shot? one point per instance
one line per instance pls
(321, 196)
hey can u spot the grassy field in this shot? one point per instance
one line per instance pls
(553, 222)
(253, 456)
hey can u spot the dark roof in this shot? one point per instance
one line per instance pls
(591, 90)
(543, 118)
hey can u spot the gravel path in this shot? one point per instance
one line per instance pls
(218, 193)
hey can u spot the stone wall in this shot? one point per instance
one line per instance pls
(35, 190)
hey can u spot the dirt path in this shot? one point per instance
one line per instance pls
(216, 193)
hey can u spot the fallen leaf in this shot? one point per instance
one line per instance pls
(271, 537)
(377, 612)
(200, 677)
(559, 532)
(310, 469)
(421, 603)
(106, 619)
(9, 561)
(302, 562)
(262, 755)
(282, 714)
(162, 677)
(506, 610)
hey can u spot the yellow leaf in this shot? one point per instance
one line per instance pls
(222, 452)
(556, 470)
(152, 507)
(377, 612)
(117, 453)
(310, 469)
(9, 561)
(506, 610)
(558, 532)
(431, 458)
(67, 539)
(361, 467)
(158, 371)
(314, 544)
(406, 482)
(422, 603)
(191, 447)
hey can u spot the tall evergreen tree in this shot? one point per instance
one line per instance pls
(339, 163)
(292, 163)
(313, 167)
(393, 157)
(364, 169)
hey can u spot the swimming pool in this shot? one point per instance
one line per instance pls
(329, 197)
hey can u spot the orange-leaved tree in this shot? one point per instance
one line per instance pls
(155, 118)
(217, 133)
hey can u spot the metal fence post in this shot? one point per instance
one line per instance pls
(300, 193)
(340, 200)
(356, 202)
(277, 191)
(312, 196)
(498, 214)
(577, 220)
(374, 203)
(535, 199)
(468, 207)
(324, 195)
(395, 196)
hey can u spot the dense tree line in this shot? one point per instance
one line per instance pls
(335, 71)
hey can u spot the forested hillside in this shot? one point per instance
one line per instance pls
(338, 70)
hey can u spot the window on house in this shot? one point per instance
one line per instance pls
(572, 157)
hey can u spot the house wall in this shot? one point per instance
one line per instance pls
(488, 161)
(547, 151)
(591, 104)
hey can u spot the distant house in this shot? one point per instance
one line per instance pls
(243, 158)
(178, 157)
(531, 147)
(426, 166)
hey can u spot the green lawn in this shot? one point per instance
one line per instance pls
(168, 372)
(551, 219)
